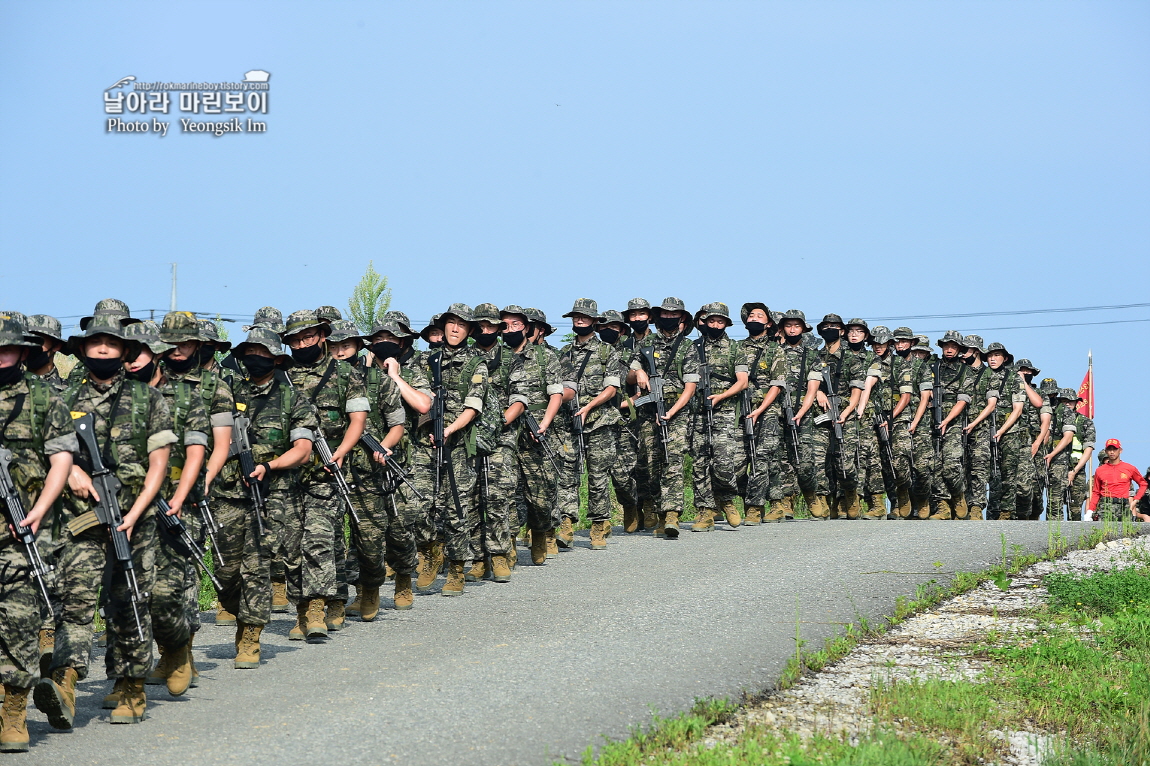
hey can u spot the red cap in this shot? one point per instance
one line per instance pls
(1114, 443)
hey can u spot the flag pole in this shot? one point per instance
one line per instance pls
(1090, 376)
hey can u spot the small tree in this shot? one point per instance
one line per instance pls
(370, 299)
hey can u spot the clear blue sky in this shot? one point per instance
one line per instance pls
(871, 159)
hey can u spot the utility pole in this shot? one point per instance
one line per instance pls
(173, 306)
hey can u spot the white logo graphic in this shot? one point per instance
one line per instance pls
(256, 75)
(122, 81)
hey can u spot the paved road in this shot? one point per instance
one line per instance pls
(536, 670)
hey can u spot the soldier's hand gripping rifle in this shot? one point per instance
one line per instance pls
(936, 409)
(108, 513)
(705, 398)
(654, 395)
(174, 526)
(994, 469)
(749, 427)
(371, 444)
(14, 510)
(883, 420)
(329, 464)
(792, 426)
(541, 439)
(241, 449)
(211, 527)
(833, 412)
(436, 416)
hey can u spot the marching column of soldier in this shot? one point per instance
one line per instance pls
(311, 457)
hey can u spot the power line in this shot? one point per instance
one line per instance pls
(1043, 326)
(1019, 312)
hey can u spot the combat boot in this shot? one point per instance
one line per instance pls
(960, 509)
(731, 512)
(280, 601)
(538, 548)
(773, 515)
(500, 569)
(297, 632)
(335, 616)
(368, 598)
(512, 555)
(477, 572)
(942, 513)
(315, 628)
(818, 506)
(427, 575)
(248, 647)
(455, 579)
(112, 698)
(224, 618)
(354, 607)
(133, 705)
(55, 697)
(976, 513)
(14, 720)
(388, 572)
(552, 544)
(903, 509)
(631, 519)
(704, 520)
(47, 642)
(833, 506)
(754, 516)
(177, 662)
(160, 673)
(403, 598)
(670, 524)
(920, 507)
(650, 517)
(877, 508)
(851, 505)
(599, 535)
(565, 537)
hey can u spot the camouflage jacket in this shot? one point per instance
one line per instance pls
(836, 363)
(794, 367)
(678, 369)
(1084, 437)
(189, 423)
(896, 377)
(856, 365)
(535, 376)
(726, 359)
(215, 392)
(1064, 420)
(34, 425)
(952, 382)
(759, 356)
(603, 368)
(453, 364)
(53, 379)
(336, 390)
(387, 412)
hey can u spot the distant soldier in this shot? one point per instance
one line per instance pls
(951, 388)
(986, 389)
(920, 430)
(771, 476)
(890, 390)
(1017, 475)
(41, 362)
(1064, 431)
(615, 332)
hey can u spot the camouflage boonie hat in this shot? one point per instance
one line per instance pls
(795, 314)
(179, 327)
(975, 342)
(461, 310)
(513, 310)
(211, 334)
(328, 314)
(1070, 395)
(856, 322)
(101, 325)
(611, 315)
(829, 319)
(343, 329)
(637, 304)
(392, 324)
(535, 316)
(12, 332)
(270, 340)
(716, 309)
(432, 325)
(109, 308)
(586, 307)
(298, 321)
(747, 308)
(1028, 365)
(776, 316)
(880, 335)
(42, 324)
(922, 343)
(951, 336)
(400, 319)
(673, 304)
(1048, 386)
(996, 346)
(268, 316)
(488, 312)
(147, 333)
(903, 333)
(18, 317)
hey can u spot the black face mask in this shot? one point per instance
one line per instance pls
(37, 359)
(513, 338)
(1027, 376)
(102, 369)
(608, 335)
(667, 324)
(830, 334)
(486, 339)
(640, 325)
(205, 354)
(180, 366)
(793, 340)
(10, 375)
(903, 354)
(385, 349)
(144, 374)
(259, 367)
(583, 332)
(755, 328)
(714, 333)
(308, 355)
(856, 346)
(435, 344)
(968, 359)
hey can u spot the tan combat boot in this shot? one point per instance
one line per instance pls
(354, 607)
(754, 515)
(599, 535)
(477, 572)
(976, 513)
(512, 555)
(112, 698)
(315, 628)
(179, 664)
(298, 632)
(818, 506)
(133, 705)
(920, 506)
(960, 509)
(903, 509)
(500, 569)
(877, 509)
(280, 601)
(731, 513)
(670, 524)
(248, 647)
(660, 528)
(403, 597)
(55, 697)
(631, 519)
(224, 618)
(704, 520)
(426, 575)
(834, 506)
(538, 548)
(47, 642)
(552, 543)
(943, 512)
(160, 673)
(369, 601)
(388, 572)
(650, 517)
(773, 515)
(335, 616)
(14, 720)
(565, 537)
(455, 579)
(851, 505)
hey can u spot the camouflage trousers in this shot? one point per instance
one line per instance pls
(715, 475)
(50, 541)
(872, 475)
(600, 459)
(624, 470)
(80, 573)
(775, 477)
(663, 463)
(1011, 493)
(845, 459)
(902, 448)
(382, 537)
(1079, 493)
(20, 618)
(1057, 497)
(922, 461)
(313, 537)
(175, 574)
(489, 520)
(949, 467)
(815, 476)
(245, 573)
(445, 513)
(537, 485)
(978, 466)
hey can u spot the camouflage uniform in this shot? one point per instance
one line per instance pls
(1034, 466)
(1011, 493)
(1065, 420)
(776, 481)
(489, 523)
(922, 442)
(987, 383)
(895, 378)
(951, 382)
(627, 436)
(1084, 438)
(868, 467)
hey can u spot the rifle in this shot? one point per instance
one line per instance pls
(580, 439)
(332, 467)
(211, 527)
(749, 427)
(886, 451)
(175, 527)
(540, 439)
(792, 426)
(371, 444)
(654, 394)
(108, 513)
(936, 408)
(14, 509)
(436, 416)
(833, 411)
(705, 397)
(995, 471)
(241, 448)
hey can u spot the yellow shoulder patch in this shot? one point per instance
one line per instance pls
(241, 406)
(78, 415)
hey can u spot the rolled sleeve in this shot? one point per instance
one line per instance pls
(690, 377)
(195, 438)
(779, 383)
(1069, 428)
(964, 398)
(165, 438)
(571, 385)
(906, 389)
(301, 433)
(860, 384)
(64, 443)
(554, 388)
(358, 404)
(926, 385)
(397, 417)
(222, 420)
(474, 403)
(611, 380)
(743, 368)
(520, 398)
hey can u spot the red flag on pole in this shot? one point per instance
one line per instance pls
(1086, 390)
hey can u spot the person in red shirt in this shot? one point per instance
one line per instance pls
(1112, 484)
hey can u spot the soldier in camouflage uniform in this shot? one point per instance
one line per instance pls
(1011, 493)
(842, 456)
(952, 385)
(133, 427)
(985, 391)
(1081, 451)
(593, 371)
(38, 444)
(858, 360)
(615, 332)
(775, 480)
(889, 390)
(922, 444)
(638, 329)
(661, 462)
(211, 345)
(328, 315)
(1063, 430)
(1037, 419)
(312, 541)
(41, 362)
(567, 491)
(721, 450)
(451, 488)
